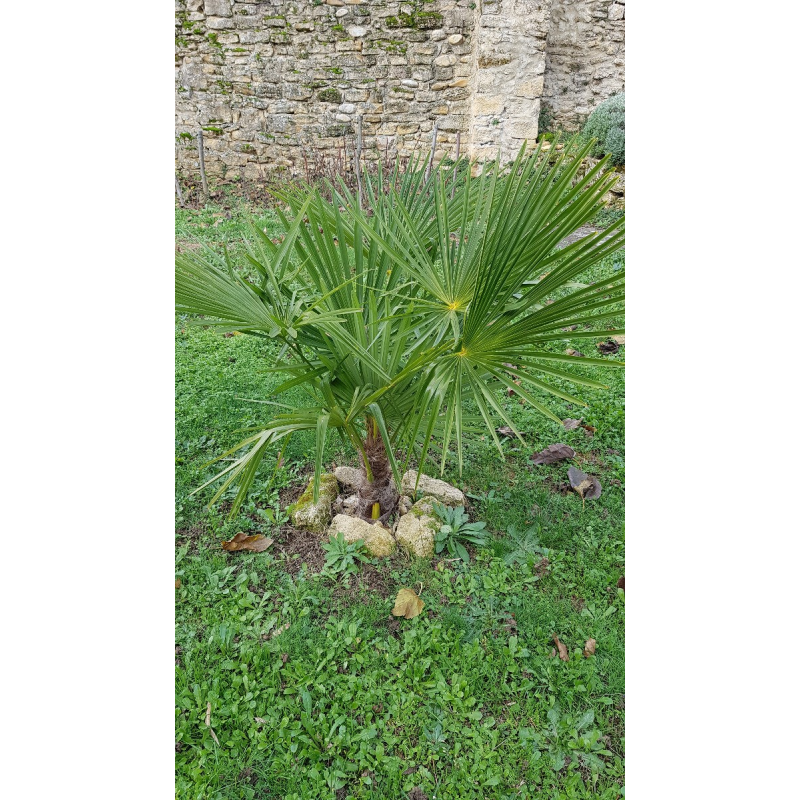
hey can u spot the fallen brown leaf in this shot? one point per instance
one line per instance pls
(590, 429)
(260, 720)
(553, 453)
(607, 348)
(576, 353)
(407, 604)
(571, 424)
(505, 431)
(255, 544)
(177, 583)
(552, 653)
(587, 486)
(588, 649)
(619, 339)
(621, 583)
(562, 649)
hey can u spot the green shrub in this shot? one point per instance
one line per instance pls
(607, 124)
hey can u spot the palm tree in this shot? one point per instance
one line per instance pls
(400, 308)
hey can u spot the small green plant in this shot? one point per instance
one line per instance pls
(341, 557)
(566, 737)
(522, 546)
(607, 124)
(458, 529)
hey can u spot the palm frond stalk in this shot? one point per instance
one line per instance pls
(401, 317)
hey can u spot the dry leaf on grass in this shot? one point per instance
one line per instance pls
(177, 583)
(505, 431)
(621, 583)
(407, 604)
(619, 339)
(576, 353)
(553, 453)
(588, 649)
(590, 429)
(571, 424)
(255, 544)
(587, 486)
(607, 348)
(562, 649)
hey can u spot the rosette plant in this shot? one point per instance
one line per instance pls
(403, 309)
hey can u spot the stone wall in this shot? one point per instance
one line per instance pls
(585, 59)
(273, 82)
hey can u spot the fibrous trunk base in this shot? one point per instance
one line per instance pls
(381, 489)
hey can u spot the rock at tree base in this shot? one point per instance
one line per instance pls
(440, 490)
(350, 477)
(416, 530)
(311, 516)
(376, 538)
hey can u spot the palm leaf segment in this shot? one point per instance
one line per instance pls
(397, 320)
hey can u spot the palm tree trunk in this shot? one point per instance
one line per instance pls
(377, 498)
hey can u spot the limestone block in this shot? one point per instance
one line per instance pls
(455, 38)
(347, 108)
(453, 122)
(376, 538)
(307, 514)
(218, 8)
(616, 11)
(445, 60)
(218, 23)
(432, 488)
(416, 530)
(532, 88)
(484, 104)
(356, 31)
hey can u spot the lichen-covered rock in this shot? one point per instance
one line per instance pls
(350, 477)
(311, 516)
(416, 530)
(441, 491)
(376, 538)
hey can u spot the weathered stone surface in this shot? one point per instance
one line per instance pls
(376, 538)
(308, 515)
(218, 8)
(416, 530)
(456, 38)
(432, 487)
(350, 477)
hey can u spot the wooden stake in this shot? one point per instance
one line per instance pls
(202, 162)
(178, 191)
(455, 169)
(433, 149)
(358, 161)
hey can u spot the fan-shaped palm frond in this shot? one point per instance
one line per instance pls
(398, 315)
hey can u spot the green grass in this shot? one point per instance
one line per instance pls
(347, 701)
